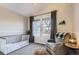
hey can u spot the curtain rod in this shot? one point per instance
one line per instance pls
(45, 13)
(42, 14)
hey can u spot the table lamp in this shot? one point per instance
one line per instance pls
(72, 42)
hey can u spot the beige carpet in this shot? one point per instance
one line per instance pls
(27, 50)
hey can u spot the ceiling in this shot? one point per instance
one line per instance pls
(26, 9)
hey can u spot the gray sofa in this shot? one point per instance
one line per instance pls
(13, 42)
(59, 49)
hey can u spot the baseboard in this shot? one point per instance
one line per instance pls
(39, 43)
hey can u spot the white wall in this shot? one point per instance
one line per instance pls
(64, 12)
(76, 21)
(11, 23)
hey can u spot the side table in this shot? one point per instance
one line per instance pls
(72, 49)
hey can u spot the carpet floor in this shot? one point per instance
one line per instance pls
(27, 50)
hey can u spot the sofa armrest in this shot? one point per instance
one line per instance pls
(2, 44)
(25, 37)
(50, 51)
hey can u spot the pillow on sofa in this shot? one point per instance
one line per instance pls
(13, 38)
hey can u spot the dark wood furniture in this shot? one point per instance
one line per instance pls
(73, 49)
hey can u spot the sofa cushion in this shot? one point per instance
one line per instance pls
(13, 38)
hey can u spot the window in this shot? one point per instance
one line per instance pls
(41, 26)
(36, 28)
(46, 25)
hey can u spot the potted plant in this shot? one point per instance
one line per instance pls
(28, 32)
